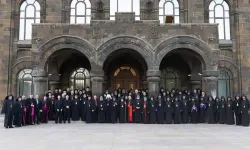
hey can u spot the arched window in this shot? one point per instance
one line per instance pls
(219, 13)
(80, 12)
(169, 8)
(124, 6)
(29, 13)
(126, 68)
(24, 82)
(225, 82)
(80, 79)
(170, 78)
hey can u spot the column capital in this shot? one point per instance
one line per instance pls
(211, 79)
(54, 82)
(153, 73)
(97, 79)
(38, 72)
(39, 79)
(195, 82)
(153, 79)
(97, 73)
(211, 73)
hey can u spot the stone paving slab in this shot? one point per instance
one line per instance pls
(81, 136)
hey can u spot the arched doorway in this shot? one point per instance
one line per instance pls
(70, 68)
(179, 68)
(125, 77)
(124, 68)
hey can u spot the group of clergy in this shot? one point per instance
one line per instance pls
(125, 107)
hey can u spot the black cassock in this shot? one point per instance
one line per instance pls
(222, 110)
(8, 111)
(194, 111)
(101, 111)
(18, 113)
(202, 112)
(88, 105)
(122, 112)
(66, 110)
(168, 108)
(137, 111)
(210, 112)
(108, 110)
(83, 109)
(75, 109)
(152, 111)
(177, 112)
(113, 110)
(58, 109)
(237, 111)
(184, 108)
(229, 113)
(160, 111)
(244, 113)
(217, 112)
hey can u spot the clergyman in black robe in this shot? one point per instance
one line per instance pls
(89, 118)
(177, 111)
(83, 107)
(210, 110)
(30, 110)
(168, 108)
(137, 109)
(229, 111)
(38, 109)
(194, 110)
(58, 109)
(245, 111)
(152, 110)
(202, 110)
(18, 112)
(222, 111)
(160, 110)
(237, 109)
(122, 111)
(113, 110)
(7, 109)
(75, 108)
(66, 109)
(108, 108)
(102, 109)
(95, 109)
(217, 110)
(184, 108)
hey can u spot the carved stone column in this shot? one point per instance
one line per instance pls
(54, 85)
(97, 79)
(195, 81)
(39, 81)
(211, 83)
(153, 79)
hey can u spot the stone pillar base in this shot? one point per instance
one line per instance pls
(54, 85)
(97, 85)
(40, 87)
(195, 84)
(211, 86)
(153, 85)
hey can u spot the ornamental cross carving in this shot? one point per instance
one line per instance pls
(153, 31)
(96, 31)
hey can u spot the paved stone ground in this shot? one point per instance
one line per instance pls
(81, 136)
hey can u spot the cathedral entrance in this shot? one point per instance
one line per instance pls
(68, 68)
(124, 68)
(180, 69)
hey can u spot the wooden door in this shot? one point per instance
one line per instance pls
(125, 77)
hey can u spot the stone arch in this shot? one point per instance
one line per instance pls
(66, 42)
(229, 2)
(129, 42)
(188, 42)
(226, 63)
(16, 68)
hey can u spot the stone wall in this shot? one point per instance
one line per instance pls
(244, 44)
(5, 17)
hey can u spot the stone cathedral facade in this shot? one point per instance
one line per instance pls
(106, 44)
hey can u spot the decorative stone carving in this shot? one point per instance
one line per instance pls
(38, 72)
(39, 41)
(211, 85)
(100, 6)
(153, 31)
(96, 30)
(149, 6)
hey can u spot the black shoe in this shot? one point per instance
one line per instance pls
(11, 127)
